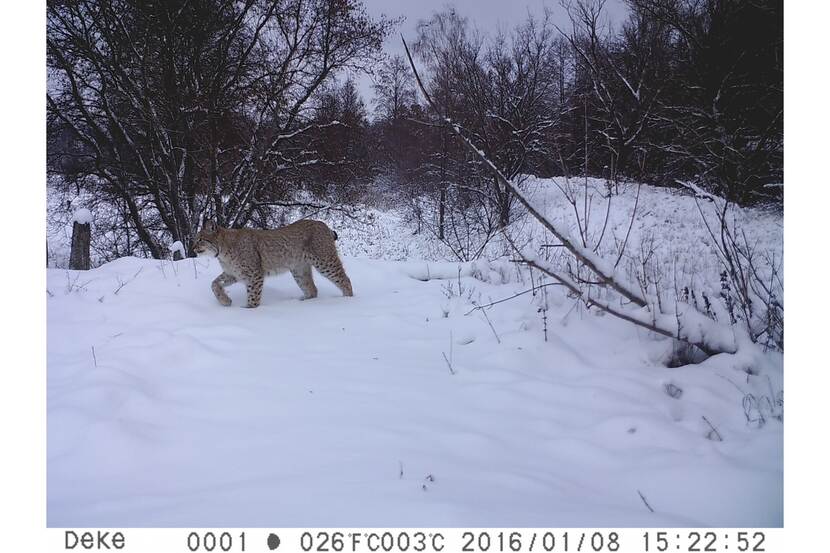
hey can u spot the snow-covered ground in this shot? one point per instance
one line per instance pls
(399, 406)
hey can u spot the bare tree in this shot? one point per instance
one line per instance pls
(394, 89)
(503, 89)
(720, 122)
(622, 76)
(183, 109)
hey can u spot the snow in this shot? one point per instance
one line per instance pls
(167, 409)
(82, 216)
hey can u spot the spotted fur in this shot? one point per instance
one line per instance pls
(249, 255)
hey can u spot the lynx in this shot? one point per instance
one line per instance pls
(249, 255)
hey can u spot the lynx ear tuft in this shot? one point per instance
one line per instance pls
(209, 226)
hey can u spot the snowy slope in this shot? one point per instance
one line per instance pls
(167, 409)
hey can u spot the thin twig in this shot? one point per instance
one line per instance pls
(644, 500)
(126, 282)
(712, 434)
(630, 224)
(449, 363)
(538, 287)
(491, 326)
(733, 383)
(94, 359)
(604, 224)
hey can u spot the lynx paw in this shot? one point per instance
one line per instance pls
(226, 301)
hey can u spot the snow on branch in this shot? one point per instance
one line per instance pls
(699, 192)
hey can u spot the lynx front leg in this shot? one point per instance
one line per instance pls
(218, 287)
(254, 284)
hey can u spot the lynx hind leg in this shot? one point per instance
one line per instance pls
(218, 286)
(254, 285)
(332, 269)
(302, 275)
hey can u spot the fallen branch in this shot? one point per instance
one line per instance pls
(664, 325)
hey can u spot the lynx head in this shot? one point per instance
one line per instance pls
(206, 240)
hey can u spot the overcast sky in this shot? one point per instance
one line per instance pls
(486, 15)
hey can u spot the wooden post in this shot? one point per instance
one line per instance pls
(178, 251)
(81, 235)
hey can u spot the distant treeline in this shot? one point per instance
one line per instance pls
(176, 111)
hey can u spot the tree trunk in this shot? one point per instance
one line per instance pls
(442, 200)
(504, 204)
(442, 197)
(142, 231)
(79, 256)
(504, 211)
